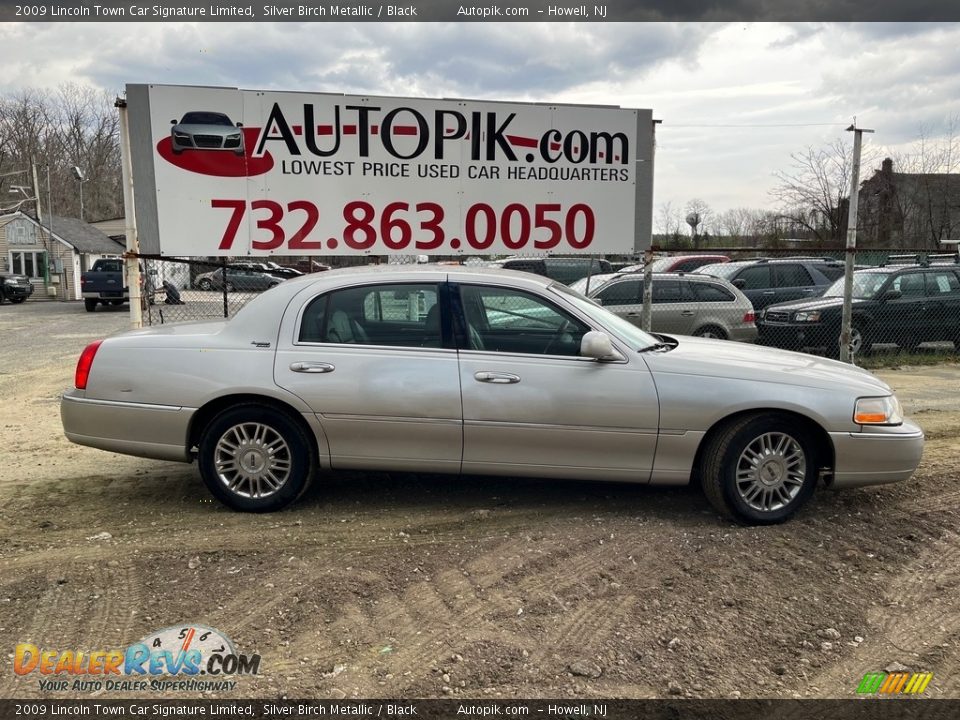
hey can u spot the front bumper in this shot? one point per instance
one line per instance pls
(877, 456)
(794, 337)
(16, 292)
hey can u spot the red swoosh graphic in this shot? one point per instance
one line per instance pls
(219, 163)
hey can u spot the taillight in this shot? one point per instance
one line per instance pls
(84, 364)
(749, 317)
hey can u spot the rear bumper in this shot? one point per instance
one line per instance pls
(882, 455)
(150, 431)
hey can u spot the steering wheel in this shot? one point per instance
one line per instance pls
(557, 335)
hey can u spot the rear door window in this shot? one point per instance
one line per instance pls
(792, 276)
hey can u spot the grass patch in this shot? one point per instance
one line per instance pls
(882, 358)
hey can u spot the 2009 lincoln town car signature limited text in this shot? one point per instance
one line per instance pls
(482, 371)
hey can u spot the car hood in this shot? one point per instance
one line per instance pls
(208, 129)
(741, 361)
(819, 303)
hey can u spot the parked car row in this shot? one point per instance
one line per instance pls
(236, 279)
(791, 303)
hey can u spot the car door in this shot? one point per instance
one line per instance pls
(373, 364)
(755, 282)
(903, 317)
(624, 297)
(792, 281)
(672, 311)
(533, 406)
(941, 317)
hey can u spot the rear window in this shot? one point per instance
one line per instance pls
(831, 272)
(709, 292)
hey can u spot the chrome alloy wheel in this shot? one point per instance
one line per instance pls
(770, 471)
(252, 460)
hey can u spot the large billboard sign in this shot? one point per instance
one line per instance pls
(221, 171)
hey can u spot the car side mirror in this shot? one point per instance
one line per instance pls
(173, 122)
(740, 283)
(892, 295)
(239, 124)
(596, 345)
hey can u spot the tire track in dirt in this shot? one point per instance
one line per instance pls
(919, 610)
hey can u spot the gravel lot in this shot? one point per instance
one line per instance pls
(381, 585)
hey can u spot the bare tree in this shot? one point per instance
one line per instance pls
(75, 126)
(670, 224)
(813, 194)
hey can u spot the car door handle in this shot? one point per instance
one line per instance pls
(768, 292)
(312, 367)
(497, 378)
(687, 313)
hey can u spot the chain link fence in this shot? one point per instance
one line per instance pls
(904, 301)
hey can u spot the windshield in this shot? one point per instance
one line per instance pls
(595, 281)
(865, 285)
(205, 118)
(633, 335)
(721, 270)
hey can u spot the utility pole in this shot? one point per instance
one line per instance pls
(851, 252)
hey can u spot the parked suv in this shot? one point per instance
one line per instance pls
(901, 305)
(565, 270)
(767, 281)
(685, 304)
(15, 288)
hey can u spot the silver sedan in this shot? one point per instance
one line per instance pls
(482, 371)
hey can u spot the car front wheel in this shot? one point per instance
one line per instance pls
(256, 459)
(759, 470)
(204, 284)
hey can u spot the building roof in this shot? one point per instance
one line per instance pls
(83, 236)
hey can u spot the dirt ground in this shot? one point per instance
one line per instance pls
(418, 586)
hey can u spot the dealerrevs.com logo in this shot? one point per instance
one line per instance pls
(187, 657)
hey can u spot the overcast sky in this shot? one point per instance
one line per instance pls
(797, 85)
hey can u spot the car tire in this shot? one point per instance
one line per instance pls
(282, 458)
(759, 469)
(711, 331)
(17, 300)
(229, 287)
(90, 305)
(204, 284)
(860, 342)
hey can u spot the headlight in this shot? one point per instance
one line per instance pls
(181, 135)
(809, 316)
(233, 137)
(878, 411)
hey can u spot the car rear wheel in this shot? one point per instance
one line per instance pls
(90, 305)
(760, 469)
(711, 331)
(256, 459)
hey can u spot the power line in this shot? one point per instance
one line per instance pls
(771, 125)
